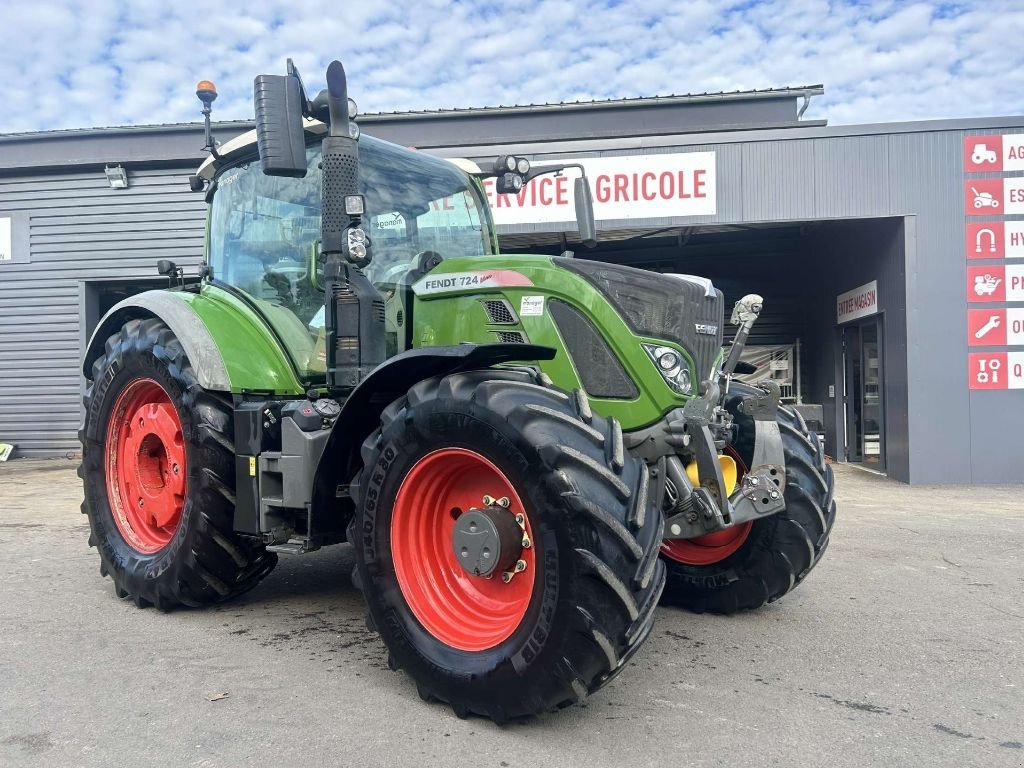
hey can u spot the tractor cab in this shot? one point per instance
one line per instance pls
(264, 234)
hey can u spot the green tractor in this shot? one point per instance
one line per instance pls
(527, 453)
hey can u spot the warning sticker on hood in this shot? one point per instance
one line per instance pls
(465, 281)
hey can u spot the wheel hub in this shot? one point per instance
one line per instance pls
(443, 493)
(145, 466)
(487, 540)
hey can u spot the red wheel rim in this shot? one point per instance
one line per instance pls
(714, 547)
(471, 613)
(145, 466)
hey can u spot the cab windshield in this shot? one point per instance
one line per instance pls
(264, 236)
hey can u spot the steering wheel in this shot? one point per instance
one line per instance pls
(422, 260)
(392, 273)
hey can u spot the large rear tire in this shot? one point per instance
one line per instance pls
(158, 470)
(775, 553)
(562, 627)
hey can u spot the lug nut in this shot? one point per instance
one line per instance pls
(488, 501)
(753, 481)
(520, 566)
(142, 502)
(175, 469)
(526, 542)
(503, 502)
(521, 519)
(775, 494)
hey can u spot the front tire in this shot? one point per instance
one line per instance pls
(565, 625)
(759, 562)
(158, 473)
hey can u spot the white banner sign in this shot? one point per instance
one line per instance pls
(5, 239)
(860, 302)
(635, 187)
(1013, 194)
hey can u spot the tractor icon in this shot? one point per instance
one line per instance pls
(982, 154)
(984, 199)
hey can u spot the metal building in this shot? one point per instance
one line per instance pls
(891, 256)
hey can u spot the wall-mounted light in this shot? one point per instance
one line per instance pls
(116, 175)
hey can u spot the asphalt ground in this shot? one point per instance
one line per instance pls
(904, 648)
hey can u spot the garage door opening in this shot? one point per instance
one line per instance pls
(800, 268)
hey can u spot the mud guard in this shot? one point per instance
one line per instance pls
(360, 414)
(193, 335)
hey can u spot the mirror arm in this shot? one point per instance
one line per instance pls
(536, 171)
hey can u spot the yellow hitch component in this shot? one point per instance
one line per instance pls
(728, 473)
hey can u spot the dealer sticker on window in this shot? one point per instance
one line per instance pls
(531, 305)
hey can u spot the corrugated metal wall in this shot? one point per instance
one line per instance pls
(79, 229)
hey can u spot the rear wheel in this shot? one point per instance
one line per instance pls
(760, 561)
(505, 543)
(158, 471)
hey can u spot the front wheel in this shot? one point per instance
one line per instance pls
(505, 542)
(758, 562)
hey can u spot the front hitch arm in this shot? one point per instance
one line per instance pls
(698, 511)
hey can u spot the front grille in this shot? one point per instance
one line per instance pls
(510, 337)
(601, 373)
(499, 312)
(707, 346)
(659, 306)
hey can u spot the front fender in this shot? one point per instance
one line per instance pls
(361, 412)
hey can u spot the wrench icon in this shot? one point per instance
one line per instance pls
(991, 325)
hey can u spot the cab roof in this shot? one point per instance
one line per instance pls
(244, 142)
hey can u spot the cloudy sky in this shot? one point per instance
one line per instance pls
(82, 63)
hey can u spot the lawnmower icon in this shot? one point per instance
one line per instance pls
(982, 154)
(984, 199)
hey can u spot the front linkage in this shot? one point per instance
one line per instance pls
(701, 430)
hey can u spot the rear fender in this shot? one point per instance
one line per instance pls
(360, 415)
(188, 327)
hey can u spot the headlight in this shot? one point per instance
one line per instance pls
(671, 366)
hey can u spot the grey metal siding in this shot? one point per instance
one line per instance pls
(79, 229)
(779, 179)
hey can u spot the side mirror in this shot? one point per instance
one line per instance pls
(585, 212)
(280, 101)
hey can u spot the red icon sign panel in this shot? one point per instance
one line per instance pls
(983, 153)
(994, 153)
(986, 284)
(986, 327)
(983, 197)
(988, 370)
(985, 240)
